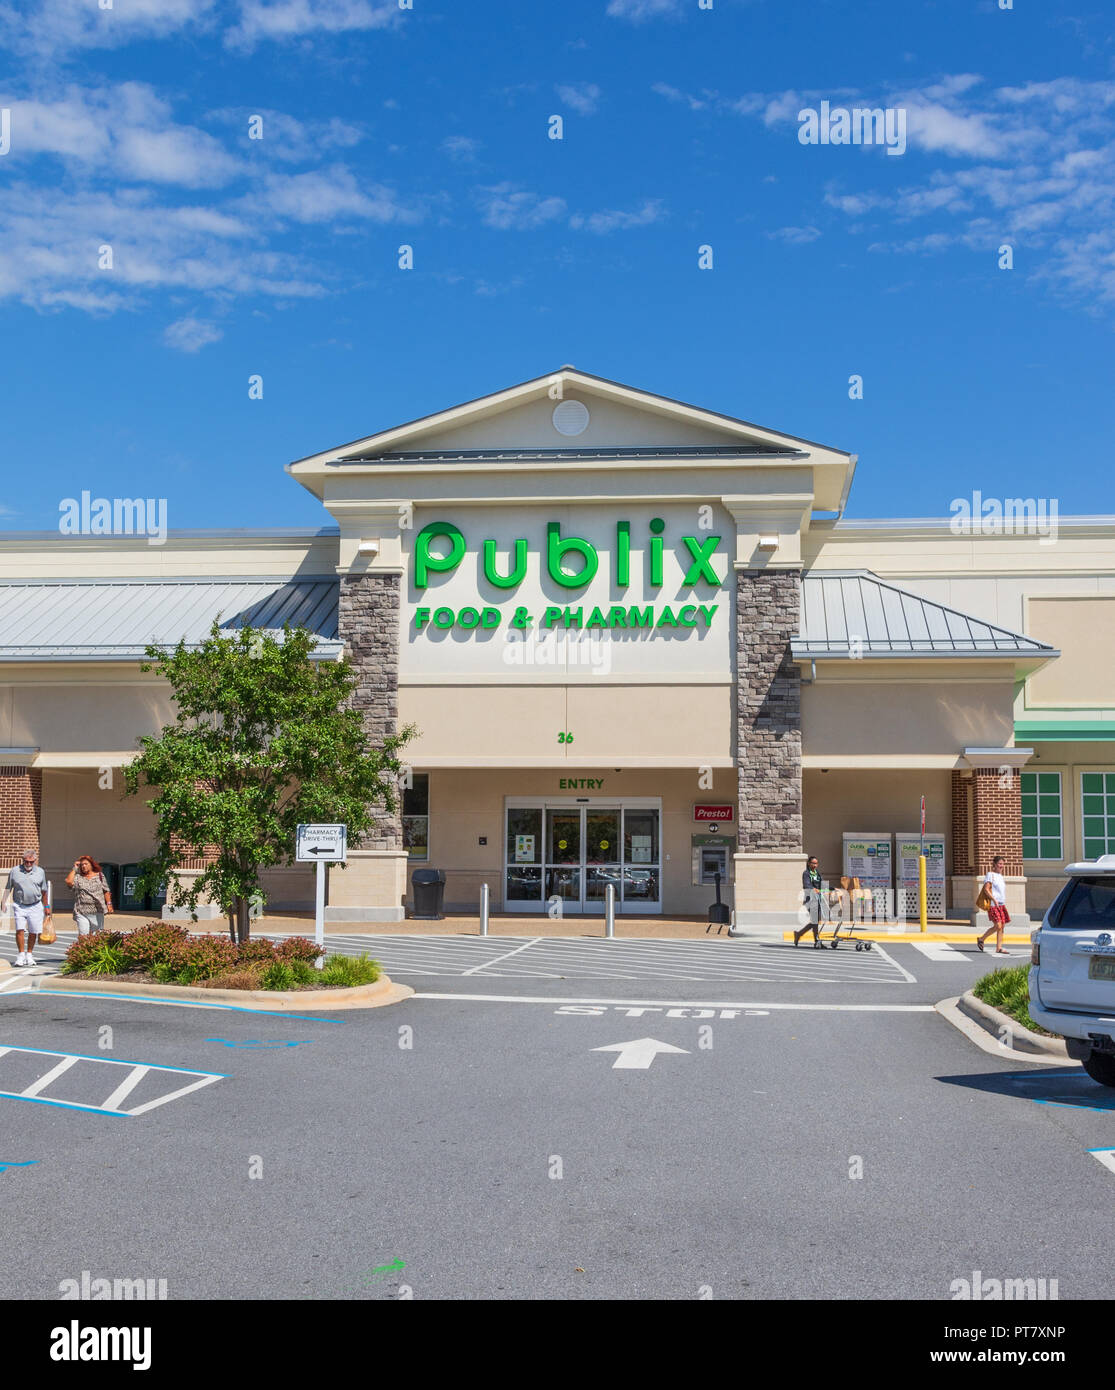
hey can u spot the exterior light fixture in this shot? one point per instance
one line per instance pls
(369, 547)
(768, 542)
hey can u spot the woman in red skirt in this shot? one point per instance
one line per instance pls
(996, 886)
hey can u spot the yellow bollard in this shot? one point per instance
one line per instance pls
(923, 896)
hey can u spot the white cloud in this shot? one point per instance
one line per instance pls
(511, 209)
(329, 194)
(285, 138)
(582, 96)
(795, 236)
(638, 10)
(288, 19)
(1032, 165)
(663, 89)
(126, 131)
(604, 222)
(460, 147)
(53, 27)
(191, 335)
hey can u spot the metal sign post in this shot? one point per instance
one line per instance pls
(321, 845)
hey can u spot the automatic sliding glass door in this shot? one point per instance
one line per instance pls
(571, 853)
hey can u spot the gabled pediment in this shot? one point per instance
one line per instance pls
(569, 414)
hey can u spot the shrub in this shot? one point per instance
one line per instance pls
(344, 970)
(163, 972)
(108, 959)
(240, 977)
(297, 948)
(259, 950)
(87, 948)
(304, 972)
(278, 975)
(199, 957)
(1009, 990)
(157, 941)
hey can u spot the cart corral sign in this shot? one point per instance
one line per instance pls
(321, 844)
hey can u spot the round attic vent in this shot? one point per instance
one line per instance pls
(571, 417)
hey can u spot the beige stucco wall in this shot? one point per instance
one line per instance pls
(467, 805)
(1081, 628)
(79, 707)
(610, 723)
(863, 709)
(872, 800)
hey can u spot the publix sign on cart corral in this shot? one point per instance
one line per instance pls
(869, 858)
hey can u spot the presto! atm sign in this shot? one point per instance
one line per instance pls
(717, 815)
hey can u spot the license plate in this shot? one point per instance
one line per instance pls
(1101, 968)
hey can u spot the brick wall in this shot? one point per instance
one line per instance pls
(986, 820)
(768, 711)
(21, 808)
(962, 840)
(997, 817)
(368, 623)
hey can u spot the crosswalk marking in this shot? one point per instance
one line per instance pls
(1104, 1156)
(137, 1071)
(936, 950)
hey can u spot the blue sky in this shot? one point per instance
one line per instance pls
(129, 127)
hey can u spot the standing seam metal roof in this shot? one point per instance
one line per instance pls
(114, 619)
(842, 609)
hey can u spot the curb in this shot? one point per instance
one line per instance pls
(913, 937)
(375, 996)
(983, 1025)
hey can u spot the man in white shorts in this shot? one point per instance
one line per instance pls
(26, 889)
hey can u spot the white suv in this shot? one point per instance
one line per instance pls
(1072, 975)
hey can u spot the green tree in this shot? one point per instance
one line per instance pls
(264, 738)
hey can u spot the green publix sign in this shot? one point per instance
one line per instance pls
(699, 552)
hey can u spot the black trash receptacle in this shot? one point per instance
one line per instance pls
(429, 894)
(129, 900)
(155, 902)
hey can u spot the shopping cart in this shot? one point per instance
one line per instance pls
(849, 924)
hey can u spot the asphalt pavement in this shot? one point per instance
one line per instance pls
(642, 1120)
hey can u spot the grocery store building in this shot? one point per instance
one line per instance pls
(639, 642)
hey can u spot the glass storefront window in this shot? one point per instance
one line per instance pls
(416, 817)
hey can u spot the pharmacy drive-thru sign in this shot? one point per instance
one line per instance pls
(321, 844)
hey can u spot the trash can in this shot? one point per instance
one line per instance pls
(112, 875)
(429, 894)
(155, 902)
(129, 900)
(719, 914)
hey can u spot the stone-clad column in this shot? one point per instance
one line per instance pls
(770, 858)
(373, 886)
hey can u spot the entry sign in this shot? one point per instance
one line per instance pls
(321, 844)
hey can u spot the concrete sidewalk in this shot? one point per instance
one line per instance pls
(691, 928)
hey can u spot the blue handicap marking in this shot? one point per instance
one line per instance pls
(5, 1164)
(1074, 1090)
(257, 1043)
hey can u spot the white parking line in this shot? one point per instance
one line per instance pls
(485, 964)
(1104, 1156)
(111, 1106)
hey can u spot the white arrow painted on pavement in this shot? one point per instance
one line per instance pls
(639, 1053)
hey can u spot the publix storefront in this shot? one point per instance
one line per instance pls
(640, 643)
